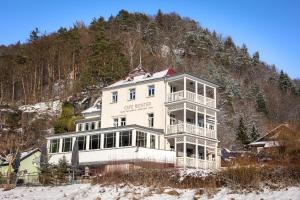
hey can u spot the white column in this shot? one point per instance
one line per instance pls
(216, 125)
(60, 145)
(197, 155)
(205, 159)
(117, 139)
(156, 142)
(73, 142)
(77, 129)
(184, 87)
(148, 140)
(133, 138)
(48, 145)
(184, 117)
(204, 121)
(87, 147)
(102, 141)
(184, 152)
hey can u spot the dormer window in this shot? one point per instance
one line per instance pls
(114, 97)
(131, 95)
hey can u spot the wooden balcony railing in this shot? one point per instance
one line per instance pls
(192, 162)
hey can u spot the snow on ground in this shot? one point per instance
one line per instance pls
(51, 107)
(122, 192)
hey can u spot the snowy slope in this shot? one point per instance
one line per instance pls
(86, 191)
(51, 107)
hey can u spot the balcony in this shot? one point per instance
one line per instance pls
(191, 129)
(193, 162)
(191, 96)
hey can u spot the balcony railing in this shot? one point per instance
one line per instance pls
(192, 162)
(191, 96)
(191, 129)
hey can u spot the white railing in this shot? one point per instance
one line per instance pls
(191, 96)
(192, 162)
(201, 99)
(176, 96)
(190, 128)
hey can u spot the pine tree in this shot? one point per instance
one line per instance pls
(241, 134)
(159, 19)
(255, 58)
(285, 82)
(254, 133)
(261, 103)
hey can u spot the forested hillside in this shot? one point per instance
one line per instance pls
(71, 60)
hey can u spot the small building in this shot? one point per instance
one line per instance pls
(164, 118)
(273, 138)
(29, 168)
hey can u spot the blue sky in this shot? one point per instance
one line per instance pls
(271, 27)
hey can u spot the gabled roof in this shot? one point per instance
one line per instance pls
(275, 133)
(24, 155)
(140, 75)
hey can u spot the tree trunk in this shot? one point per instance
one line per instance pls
(24, 90)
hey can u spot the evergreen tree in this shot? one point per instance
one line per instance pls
(159, 19)
(254, 133)
(62, 169)
(261, 103)
(285, 82)
(255, 58)
(241, 134)
(65, 123)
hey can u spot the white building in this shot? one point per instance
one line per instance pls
(162, 117)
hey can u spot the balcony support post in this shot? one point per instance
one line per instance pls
(196, 121)
(184, 152)
(197, 155)
(204, 123)
(205, 159)
(184, 87)
(216, 153)
(87, 143)
(196, 91)
(133, 138)
(184, 117)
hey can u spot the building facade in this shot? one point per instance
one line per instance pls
(162, 117)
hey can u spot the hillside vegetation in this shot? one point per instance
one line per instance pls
(71, 60)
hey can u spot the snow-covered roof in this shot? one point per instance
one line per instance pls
(95, 108)
(91, 109)
(142, 77)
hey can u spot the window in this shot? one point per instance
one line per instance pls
(54, 146)
(115, 122)
(93, 125)
(114, 97)
(151, 120)
(109, 140)
(125, 138)
(81, 143)
(152, 141)
(99, 124)
(67, 145)
(123, 121)
(87, 126)
(131, 94)
(141, 139)
(95, 141)
(151, 90)
(173, 89)
(79, 127)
